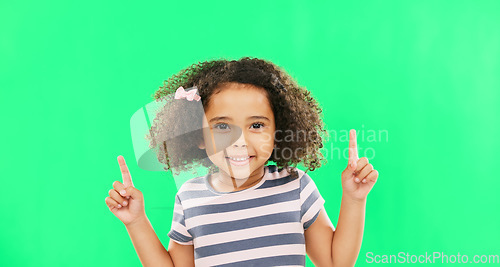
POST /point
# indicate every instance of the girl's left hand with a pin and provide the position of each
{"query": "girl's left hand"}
(359, 176)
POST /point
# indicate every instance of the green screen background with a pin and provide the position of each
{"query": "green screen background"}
(425, 73)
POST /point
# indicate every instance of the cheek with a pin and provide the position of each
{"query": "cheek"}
(265, 143)
(266, 148)
(268, 136)
(217, 157)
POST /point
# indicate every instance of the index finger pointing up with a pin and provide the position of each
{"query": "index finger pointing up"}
(127, 179)
(353, 146)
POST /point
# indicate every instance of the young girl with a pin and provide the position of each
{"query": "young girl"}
(245, 212)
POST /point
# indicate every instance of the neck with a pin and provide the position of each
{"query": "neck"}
(225, 182)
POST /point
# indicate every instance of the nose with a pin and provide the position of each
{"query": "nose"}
(240, 142)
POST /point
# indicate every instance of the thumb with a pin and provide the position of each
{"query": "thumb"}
(351, 167)
(133, 192)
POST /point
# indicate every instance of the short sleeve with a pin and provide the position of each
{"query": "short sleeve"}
(178, 231)
(311, 201)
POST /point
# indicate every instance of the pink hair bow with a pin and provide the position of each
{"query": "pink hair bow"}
(189, 95)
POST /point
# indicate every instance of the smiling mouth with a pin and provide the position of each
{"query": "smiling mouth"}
(240, 159)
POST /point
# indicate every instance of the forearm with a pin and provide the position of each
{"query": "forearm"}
(349, 233)
(150, 250)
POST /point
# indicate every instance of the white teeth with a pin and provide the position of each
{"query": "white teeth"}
(239, 159)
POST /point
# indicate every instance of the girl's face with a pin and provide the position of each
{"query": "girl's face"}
(238, 131)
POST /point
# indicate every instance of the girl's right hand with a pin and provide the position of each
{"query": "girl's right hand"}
(125, 201)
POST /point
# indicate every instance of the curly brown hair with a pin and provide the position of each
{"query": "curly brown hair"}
(294, 108)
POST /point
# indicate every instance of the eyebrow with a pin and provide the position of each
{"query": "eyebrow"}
(220, 118)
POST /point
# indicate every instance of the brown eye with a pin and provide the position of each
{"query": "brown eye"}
(260, 124)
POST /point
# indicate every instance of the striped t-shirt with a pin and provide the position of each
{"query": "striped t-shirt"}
(259, 226)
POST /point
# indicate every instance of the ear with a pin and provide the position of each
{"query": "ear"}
(201, 144)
